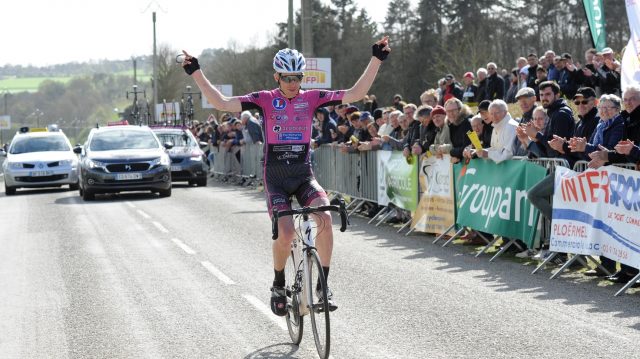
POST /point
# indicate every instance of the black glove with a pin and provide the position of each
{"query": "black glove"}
(378, 52)
(192, 67)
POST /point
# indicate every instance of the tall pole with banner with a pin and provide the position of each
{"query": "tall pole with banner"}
(595, 16)
(630, 71)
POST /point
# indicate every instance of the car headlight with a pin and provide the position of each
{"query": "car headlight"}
(162, 161)
(66, 163)
(196, 158)
(15, 165)
(97, 165)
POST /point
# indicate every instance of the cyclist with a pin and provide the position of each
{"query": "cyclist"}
(288, 124)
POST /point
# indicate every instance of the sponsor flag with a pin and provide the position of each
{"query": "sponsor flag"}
(630, 74)
(595, 16)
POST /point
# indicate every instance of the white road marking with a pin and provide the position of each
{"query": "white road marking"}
(216, 272)
(130, 204)
(184, 247)
(260, 306)
(143, 214)
(160, 227)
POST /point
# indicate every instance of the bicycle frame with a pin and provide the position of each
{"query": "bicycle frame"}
(300, 249)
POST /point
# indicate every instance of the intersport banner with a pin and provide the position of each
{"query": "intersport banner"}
(436, 209)
(397, 180)
(492, 197)
(595, 16)
(597, 212)
(630, 69)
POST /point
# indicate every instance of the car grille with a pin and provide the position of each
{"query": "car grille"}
(177, 160)
(128, 167)
(42, 178)
(28, 165)
(53, 164)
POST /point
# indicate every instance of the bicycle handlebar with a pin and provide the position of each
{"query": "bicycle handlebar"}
(341, 208)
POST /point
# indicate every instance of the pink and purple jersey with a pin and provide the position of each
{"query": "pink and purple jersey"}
(288, 123)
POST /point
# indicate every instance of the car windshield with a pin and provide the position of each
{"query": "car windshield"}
(39, 144)
(178, 139)
(122, 140)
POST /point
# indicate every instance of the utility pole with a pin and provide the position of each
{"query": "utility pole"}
(155, 67)
(135, 78)
(291, 29)
(307, 34)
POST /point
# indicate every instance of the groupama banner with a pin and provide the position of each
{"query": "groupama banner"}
(595, 16)
(597, 212)
(492, 197)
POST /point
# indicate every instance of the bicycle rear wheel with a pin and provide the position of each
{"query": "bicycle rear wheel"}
(295, 322)
(320, 306)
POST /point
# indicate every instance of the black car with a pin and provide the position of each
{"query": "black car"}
(123, 158)
(188, 161)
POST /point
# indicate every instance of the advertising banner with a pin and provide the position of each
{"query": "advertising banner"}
(399, 179)
(436, 209)
(492, 197)
(630, 67)
(597, 212)
(317, 75)
(5, 122)
(595, 16)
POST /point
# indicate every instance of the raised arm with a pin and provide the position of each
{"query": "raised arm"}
(356, 93)
(215, 97)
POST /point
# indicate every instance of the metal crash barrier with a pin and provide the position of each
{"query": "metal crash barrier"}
(225, 163)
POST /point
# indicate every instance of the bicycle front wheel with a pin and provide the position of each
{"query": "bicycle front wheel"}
(319, 306)
(295, 321)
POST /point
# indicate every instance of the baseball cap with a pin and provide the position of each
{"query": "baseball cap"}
(469, 75)
(586, 92)
(351, 109)
(525, 91)
(438, 110)
(365, 115)
(448, 77)
(606, 50)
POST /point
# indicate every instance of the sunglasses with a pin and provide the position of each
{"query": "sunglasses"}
(583, 102)
(291, 78)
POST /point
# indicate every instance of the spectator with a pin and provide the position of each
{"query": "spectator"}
(375, 143)
(427, 131)
(345, 130)
(429, 98)
(585, 101)
(442, 86)
(510, 96)
(442, 142)
(458, 115)
(470, 89)
(252, 130)
(478, 126)
(482, 84)
(452, 89)
(327, 127)
(370, 103)
(395, 136)
(552, 71)
(483, 111)
(527, 102)
(413, 130)
(586, 75)
(541, 76)
(385, 127)
(396, 102)
(503, 135)
(568, 76)
(532, 60)
(608, 72)
(495, 83)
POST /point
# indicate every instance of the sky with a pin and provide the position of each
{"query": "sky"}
(47, 32)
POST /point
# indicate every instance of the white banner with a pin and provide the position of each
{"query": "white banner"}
(317, 74)
(630, 74)
(436, 212)
(597, 212)
(226, 90)
(5, 122)
(168, 112)
(383, 157)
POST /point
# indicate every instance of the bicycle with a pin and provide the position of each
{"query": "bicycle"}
(300, 278)
(135, 107)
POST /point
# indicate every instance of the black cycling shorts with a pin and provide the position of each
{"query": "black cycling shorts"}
(281, 182)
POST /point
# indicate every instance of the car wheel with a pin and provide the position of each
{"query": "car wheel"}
(202, 182)
(87, 196)
(74, 186)
(8, 190)
(165, 193)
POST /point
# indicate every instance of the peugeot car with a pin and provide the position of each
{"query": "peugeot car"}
(188, 162)
(123, 158)
(40, 157)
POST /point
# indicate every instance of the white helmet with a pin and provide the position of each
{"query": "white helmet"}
(289, 61)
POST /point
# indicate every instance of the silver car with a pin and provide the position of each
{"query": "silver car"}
(39, 159)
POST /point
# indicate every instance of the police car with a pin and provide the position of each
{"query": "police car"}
(121, 157)
(188, 162)
(39, 157)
